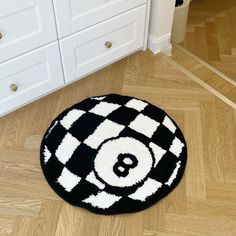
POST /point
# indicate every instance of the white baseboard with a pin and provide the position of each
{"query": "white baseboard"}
(161, 44)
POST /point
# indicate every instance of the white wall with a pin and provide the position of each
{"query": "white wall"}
(162, 12)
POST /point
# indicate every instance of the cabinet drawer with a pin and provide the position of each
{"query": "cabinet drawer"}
(89, 50)
(75, 15)
(29, 76)
(25, 25)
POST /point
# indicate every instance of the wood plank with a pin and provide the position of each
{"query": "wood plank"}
(158, 233)
(211, 208)
(196, 225)
(223, 35)
(200, 39)
(195, 176)
(213, 51)
(74, 221)
(154, 217)
(46, 223)
(24, 226)
(211, 143)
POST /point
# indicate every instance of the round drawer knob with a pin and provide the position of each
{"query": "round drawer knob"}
(108, 44)
(13, 87)
(0, 35)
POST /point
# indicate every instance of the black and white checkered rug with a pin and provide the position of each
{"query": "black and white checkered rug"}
(113, 154)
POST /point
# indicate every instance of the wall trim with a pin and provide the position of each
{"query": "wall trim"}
(161, 44)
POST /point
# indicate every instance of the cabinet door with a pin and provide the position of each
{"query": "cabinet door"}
(75, 15)
(29, 76)
(102, 44)
(25, 25)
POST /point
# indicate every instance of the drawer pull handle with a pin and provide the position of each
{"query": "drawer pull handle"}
(108, 44)
(13, 87)
(0, 35)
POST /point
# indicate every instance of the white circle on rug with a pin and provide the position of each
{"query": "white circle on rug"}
(113, 154)
(108, 156)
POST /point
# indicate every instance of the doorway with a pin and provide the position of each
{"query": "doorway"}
(211, 34)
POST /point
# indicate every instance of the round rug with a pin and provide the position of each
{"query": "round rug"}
(113, 154)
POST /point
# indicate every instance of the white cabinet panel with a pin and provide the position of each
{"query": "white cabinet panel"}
(25, 25)
(87, 51)
(31, 75)
(75, 15)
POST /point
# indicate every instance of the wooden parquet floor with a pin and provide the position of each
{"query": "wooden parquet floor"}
(211, 34)
(204, 204)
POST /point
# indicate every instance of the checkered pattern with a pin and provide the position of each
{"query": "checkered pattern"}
(75, 137)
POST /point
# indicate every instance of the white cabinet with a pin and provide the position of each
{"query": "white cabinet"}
(91, 49)
(25, 25)
(46, 44)
(75, 15)
(29, 76)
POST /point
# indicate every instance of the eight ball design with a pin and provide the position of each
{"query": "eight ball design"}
(113, 154)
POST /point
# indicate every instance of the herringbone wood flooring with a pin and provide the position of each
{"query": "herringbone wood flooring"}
(203, 204)
(211, 33)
